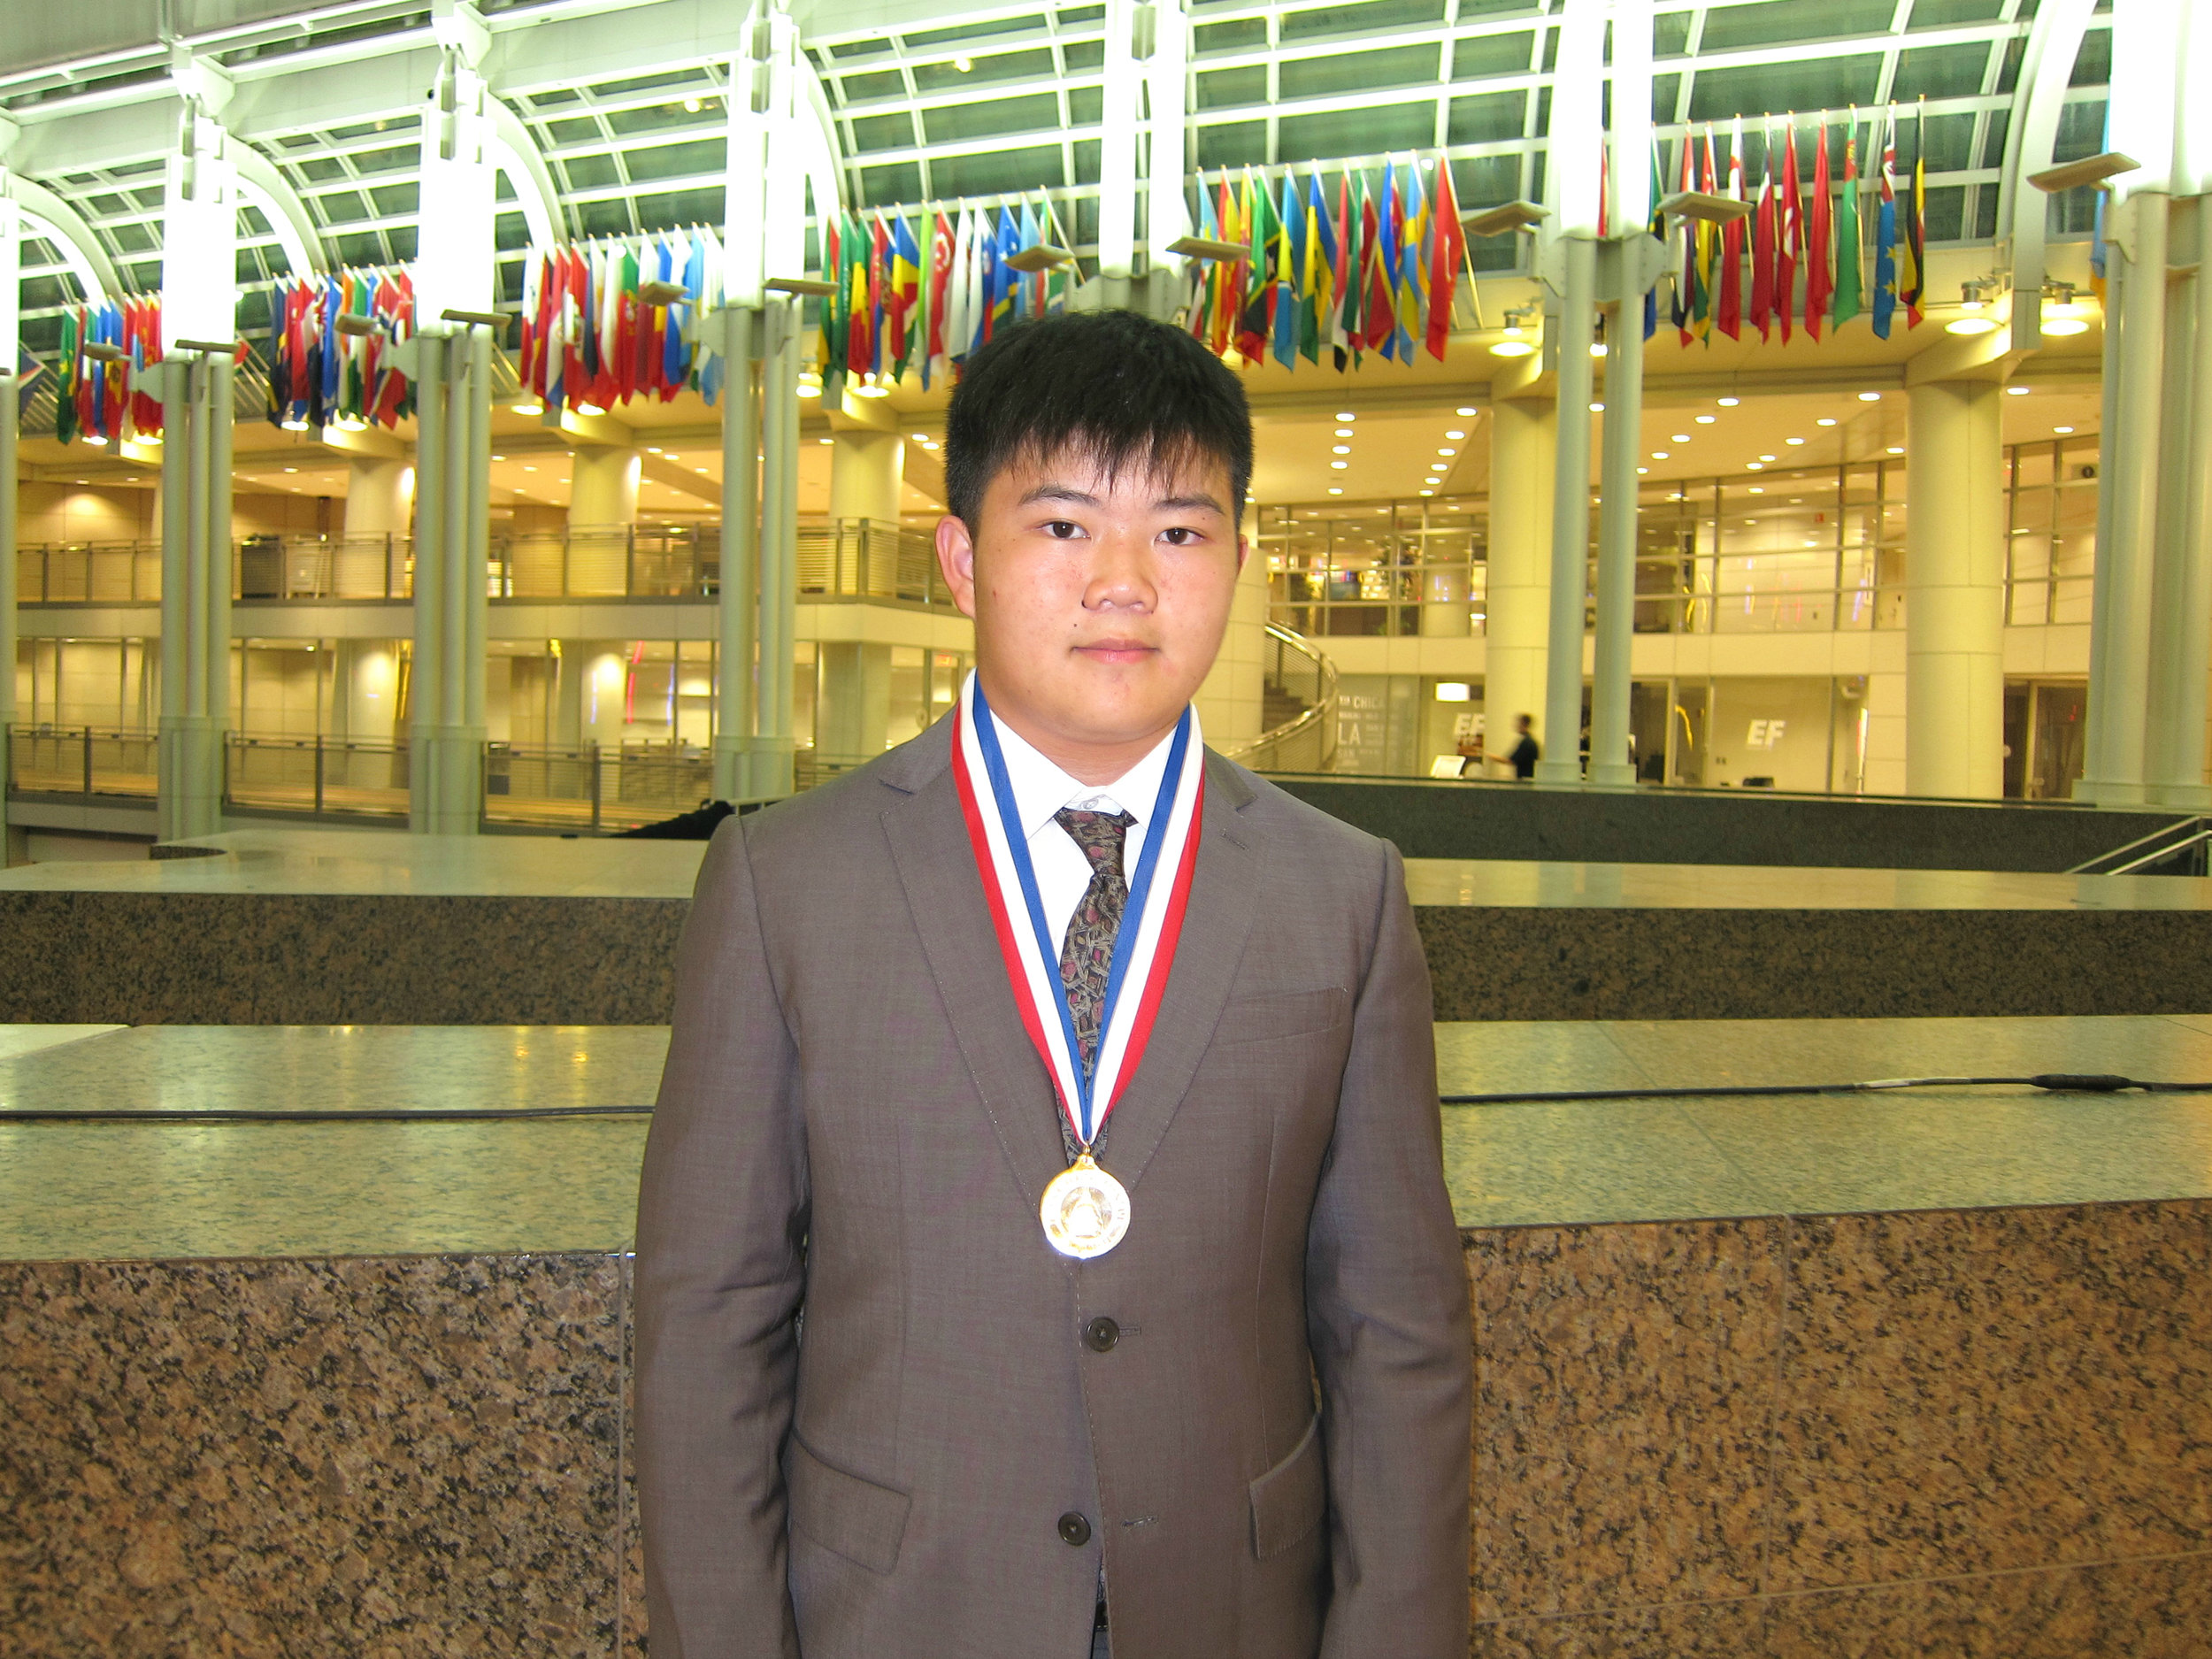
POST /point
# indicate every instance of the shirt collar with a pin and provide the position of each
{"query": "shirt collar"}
(1042, 789)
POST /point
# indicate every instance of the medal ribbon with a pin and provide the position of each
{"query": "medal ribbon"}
(1144, 946)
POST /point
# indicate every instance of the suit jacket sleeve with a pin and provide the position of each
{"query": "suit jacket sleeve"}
(1386, 1309)
(722, 1223)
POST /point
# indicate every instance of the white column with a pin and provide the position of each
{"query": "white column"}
(866, 471)
(602, 488)
(2119, 657)
(855, 715)
(452, 523)
(1117, 157)
(1444, 602)
(737, 614)
(380, 494)
(773, 756)
(10, 289)
(2184, 590)
(1518, 597)
(1955, 572)
(1232, 698)
(1166, 80)
(1572, 177)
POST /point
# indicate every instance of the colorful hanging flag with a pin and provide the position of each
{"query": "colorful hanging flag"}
(906, 289)
(935, 359)
(1344, 309)
(1729, 316)
(1287, 253)
(1886, 235)
(1685, 247)
(1656, 225)
(1763, 240)
(1912, 266)
(1702, 297)
(1447, 254)
(1790, 217)
(1413, 226)
(1850, 240)
(1820, 239)
(1317, 275)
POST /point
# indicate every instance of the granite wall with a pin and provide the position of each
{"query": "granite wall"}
(1975, 1434)
(338, 960)
(1737, 827)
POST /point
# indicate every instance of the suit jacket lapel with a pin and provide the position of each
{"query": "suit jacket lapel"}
(936, 867)
(1223, 898)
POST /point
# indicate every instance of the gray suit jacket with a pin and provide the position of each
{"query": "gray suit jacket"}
(1272, 1454)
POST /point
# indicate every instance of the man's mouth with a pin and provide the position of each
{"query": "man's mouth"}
(1116, 650)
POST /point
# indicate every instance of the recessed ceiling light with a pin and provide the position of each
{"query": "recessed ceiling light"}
(1753, 466)
(1870, 397)
(2015, 391)
(1706, 421)
(2061, 429)
(1340, 465)
(1335, 489)
(1729, 402)
(1597, 408)
(1454, 436)
(1680, 437)
(1825, 420)
(1343, 431)
(499, 457)
(824, 442)
(1347, 415)
(1897, 449)
(1462, 411)
(1792, 440)
(529, 469)
(1766, 457)
(1642, 471)
(1447, 452)
(1659, 455)
(1755, 490)
(1427, 492)
(1339, 449)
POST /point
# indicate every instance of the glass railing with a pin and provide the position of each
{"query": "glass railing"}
(317, 777)
(82, 762)
(863, 559)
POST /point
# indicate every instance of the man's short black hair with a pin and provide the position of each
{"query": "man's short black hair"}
(1114, 385)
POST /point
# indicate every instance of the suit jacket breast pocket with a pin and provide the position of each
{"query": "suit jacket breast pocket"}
(1289, 1500)
(1288, 1014)
(857, 1518)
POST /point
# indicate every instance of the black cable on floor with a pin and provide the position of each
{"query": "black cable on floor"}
(2057, 1082)
(313, 1115)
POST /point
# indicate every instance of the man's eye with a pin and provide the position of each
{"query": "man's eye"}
(1062, 529)
(1181, 535)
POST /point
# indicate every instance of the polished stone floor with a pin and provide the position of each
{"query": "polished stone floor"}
(324, 861)
(125, 1190)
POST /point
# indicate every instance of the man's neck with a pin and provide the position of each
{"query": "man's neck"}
(1097, 764)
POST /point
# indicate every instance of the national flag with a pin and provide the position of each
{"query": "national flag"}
(1447, 254)
(935, 360)
(1030, 296)
(1285, 251)
(1344, 286)
(1912, 264)
(1228, 291)
(1205, 274)
(1657, 227)
(1763, 241)
(1732, 244)
(1317, 309)
(1002, 295)
(959, 313)
(1255, 312)
(1886, 235)
(1850, 240)
(878, 292)
(1819, 240)
(906, 287)
(1685, 249)
(1703, 296)
(1790, 221)
(1413, 226)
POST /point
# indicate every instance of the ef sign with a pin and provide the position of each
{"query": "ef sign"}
(1767, 734)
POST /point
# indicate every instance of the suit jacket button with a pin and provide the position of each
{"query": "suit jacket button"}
(1074, 1529)
(1101, 1334)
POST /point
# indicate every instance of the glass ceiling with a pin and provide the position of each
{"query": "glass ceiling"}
(1009, 100)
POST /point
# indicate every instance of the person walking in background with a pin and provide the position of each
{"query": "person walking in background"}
(1525, 751)
(1080, 1086)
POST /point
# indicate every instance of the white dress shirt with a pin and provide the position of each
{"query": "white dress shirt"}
(1041, 789)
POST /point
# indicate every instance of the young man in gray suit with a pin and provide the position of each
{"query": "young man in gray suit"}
(1043, 1244)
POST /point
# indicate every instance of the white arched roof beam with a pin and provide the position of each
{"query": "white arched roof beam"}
(819, 141)
(516, 152)
(46, 214)
(2023, 211)
(260, 183)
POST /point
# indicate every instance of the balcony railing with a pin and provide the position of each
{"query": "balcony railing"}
(83, 763)
(1298, 691)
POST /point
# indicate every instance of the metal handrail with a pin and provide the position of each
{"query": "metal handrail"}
(1322, 708)
(2194, 828)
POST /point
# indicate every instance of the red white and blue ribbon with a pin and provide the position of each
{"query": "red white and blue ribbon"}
(1152, 922)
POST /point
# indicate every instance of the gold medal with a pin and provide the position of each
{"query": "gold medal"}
(1085, 1211)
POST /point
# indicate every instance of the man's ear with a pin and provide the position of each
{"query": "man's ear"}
(955, 557)
(1244, 551)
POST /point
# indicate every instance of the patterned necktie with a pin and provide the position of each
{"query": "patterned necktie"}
(1086, 954)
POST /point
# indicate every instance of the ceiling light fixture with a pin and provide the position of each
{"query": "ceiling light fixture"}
(1339, 449)
(1730, 402)
(1870, 397)
(1825, 420)
(1706, 421)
